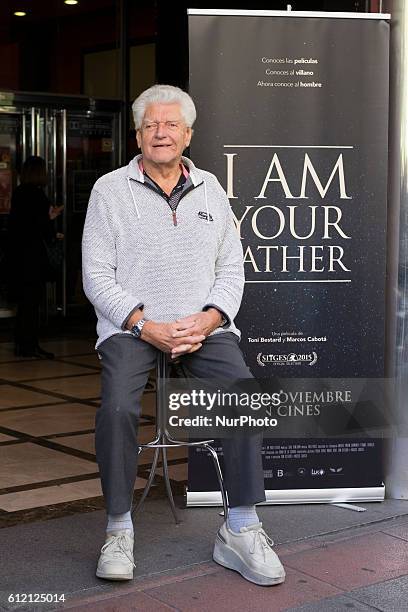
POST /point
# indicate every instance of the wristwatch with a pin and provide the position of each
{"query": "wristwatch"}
(136, 330)
(224, 321)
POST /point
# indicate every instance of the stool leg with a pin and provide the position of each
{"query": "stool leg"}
(220, 479)
(148, 483)
(168, 485)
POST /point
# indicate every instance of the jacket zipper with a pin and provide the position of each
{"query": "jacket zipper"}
(174, 213)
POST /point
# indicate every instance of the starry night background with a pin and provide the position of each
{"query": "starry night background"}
(351, 109)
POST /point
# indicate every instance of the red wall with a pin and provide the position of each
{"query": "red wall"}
(9, 54)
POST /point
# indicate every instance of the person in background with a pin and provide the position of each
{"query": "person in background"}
(31, 229)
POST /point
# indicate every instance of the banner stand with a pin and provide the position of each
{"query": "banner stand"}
(296, 496)
(293, 121)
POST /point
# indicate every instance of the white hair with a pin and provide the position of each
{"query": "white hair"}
(164, 94)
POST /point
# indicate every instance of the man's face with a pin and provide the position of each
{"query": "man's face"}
(163, 135)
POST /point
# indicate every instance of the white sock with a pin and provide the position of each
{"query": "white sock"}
(242, 516)
(117, 522)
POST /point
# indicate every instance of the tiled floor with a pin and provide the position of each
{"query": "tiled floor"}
(13, 397)
(47, 416)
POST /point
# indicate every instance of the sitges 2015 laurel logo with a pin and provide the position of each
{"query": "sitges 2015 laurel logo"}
(287, 359)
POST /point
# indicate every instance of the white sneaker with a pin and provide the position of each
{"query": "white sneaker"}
(249, 553)
(116, 559)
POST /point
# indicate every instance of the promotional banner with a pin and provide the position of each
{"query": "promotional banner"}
(293, 121)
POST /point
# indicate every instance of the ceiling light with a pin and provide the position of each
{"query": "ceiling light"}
(20, 13)
(71, 1)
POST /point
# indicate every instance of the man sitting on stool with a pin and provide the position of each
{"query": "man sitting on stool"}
(163, 267)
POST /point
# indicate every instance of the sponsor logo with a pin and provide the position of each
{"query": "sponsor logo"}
(278, 473)
(301, 471)
(337, 470)
(318, 472)
(287, 359)
(203, 215)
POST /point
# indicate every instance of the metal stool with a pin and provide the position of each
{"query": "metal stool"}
(163, 441)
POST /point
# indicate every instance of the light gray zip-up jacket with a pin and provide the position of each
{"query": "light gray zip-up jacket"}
(134, 256)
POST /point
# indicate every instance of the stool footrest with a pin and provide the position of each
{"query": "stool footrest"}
(174, 443)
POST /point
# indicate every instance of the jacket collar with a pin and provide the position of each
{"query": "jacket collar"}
(134, 172)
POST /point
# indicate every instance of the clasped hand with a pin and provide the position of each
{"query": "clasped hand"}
(183, 336)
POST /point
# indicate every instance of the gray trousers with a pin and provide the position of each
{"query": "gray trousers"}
(126, 363)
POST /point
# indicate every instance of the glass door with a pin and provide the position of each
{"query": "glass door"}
(83, 145)
(78, 146)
